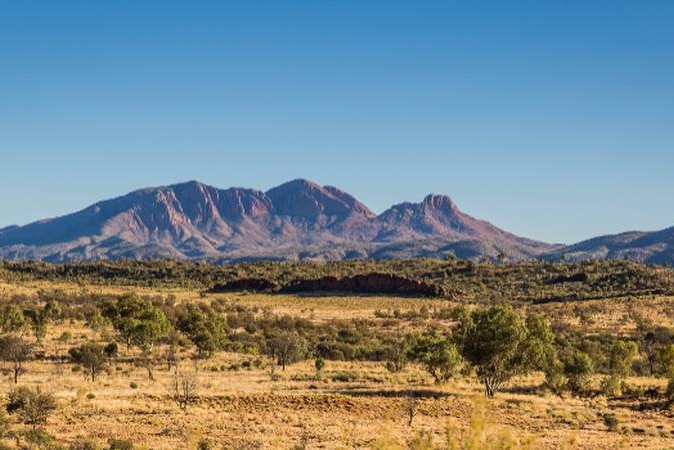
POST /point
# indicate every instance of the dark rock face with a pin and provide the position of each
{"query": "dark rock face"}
(297, 220)
(373, 283)
(245, 284)
(575, 278)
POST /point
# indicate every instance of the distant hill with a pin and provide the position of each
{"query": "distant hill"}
(297, 220)
(650, 247)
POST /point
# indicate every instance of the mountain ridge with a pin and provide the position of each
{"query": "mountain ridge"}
(298, 219)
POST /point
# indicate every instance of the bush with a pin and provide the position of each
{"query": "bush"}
(578, 369)
(119, 444)
(344, 377)
(111, 349)
(84, 445)
(611, 386)
(670, 390)
(611, 421)
(33, 407)
(319, 364)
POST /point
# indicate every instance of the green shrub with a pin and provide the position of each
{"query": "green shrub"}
(319, 364)
(611, 421)
(611, 386)
(33, 407)
(84, 445)
(119, 444)
(344, 377)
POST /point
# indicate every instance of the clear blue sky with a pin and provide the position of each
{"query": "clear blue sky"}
(552, 119)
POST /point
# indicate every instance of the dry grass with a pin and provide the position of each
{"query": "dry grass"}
(245, 409)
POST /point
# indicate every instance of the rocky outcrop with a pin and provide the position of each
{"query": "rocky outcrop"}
(245, 284)
(373, 283)
(575, 278)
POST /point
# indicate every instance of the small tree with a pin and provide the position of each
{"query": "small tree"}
(16, 351)
(437, 353)
(204, 327)
(319, 364)
(621, 358)
(33, 407)
(664, 357)
(12, 319)
(184, 390)
(39, 318)
(578, 369)
(398, 354)
(91, 356)
(138, 321)
(501, 345)
(288, 348)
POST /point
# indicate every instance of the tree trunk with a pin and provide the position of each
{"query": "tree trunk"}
(489, 388)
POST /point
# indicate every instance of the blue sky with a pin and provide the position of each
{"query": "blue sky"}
(552, 119)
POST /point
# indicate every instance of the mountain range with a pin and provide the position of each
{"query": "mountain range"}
(296, 220)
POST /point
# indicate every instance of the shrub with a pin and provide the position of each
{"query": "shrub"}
(119, 444)
(319, 364)
(84, 445)
(578, 369)
(669, 393)
(111, 349)
(611, 386)
(611, 421)
(33, 407)
(344, 377)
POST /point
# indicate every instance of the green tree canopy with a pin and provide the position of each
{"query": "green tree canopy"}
(437, 353)
(501, 345)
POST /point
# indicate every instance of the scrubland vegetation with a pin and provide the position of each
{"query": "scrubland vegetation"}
(530, 355)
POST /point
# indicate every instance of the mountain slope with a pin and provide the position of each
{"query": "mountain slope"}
(297, 220)
(655, 247)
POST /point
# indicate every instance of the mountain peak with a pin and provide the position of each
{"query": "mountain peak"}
(440, 202)
(305, 198)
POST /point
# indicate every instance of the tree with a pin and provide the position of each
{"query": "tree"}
(398, 354)
(578, 369)
(621, 358)
(287, 348)
(12, 319)
(204, 327)
(140, 323)
(33, 407)
(91, 356)
(38, 319)
(437, 353)
(653, 343)
(17, 351)
(501, 345)
(664, 358)
(184, 390)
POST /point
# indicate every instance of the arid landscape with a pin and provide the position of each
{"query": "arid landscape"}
(352, 379)
(338, 225)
